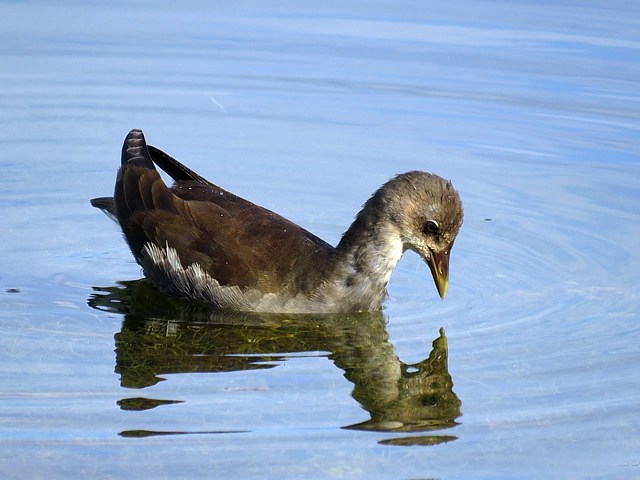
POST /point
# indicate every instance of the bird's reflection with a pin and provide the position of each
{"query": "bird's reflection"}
(162, 335)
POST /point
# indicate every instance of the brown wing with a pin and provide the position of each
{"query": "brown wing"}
(235, 241)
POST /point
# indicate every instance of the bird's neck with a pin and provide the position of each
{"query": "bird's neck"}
(369, 251)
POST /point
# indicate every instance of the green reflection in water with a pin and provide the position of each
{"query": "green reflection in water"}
(141, 403)
(149, 433)
(162, 335)
(424, 440)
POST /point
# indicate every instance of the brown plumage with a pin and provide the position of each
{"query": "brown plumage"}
(202, 243)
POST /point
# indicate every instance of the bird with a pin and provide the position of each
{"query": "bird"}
(203, 244)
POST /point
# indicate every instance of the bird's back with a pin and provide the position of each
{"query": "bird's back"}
(232, 241)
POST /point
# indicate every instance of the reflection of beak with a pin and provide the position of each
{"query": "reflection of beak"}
(439, 265)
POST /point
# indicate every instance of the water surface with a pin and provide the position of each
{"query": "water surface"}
(528, 369)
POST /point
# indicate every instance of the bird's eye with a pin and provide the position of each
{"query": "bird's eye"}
(431, 228)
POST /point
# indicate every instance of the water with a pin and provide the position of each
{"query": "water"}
(532, 109)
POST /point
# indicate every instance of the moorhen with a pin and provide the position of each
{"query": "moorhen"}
(207, 245)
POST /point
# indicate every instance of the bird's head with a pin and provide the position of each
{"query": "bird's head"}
(427, 213)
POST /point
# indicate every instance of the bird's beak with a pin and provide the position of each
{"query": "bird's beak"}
(439, 265)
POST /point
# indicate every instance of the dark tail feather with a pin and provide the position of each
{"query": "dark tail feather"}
(174, 168)
(107, 206)
(136, 177)
(140, 195)
(134, 153)
(134, 150)
(104, 203)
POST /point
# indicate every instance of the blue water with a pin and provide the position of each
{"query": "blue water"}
(531, 108)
